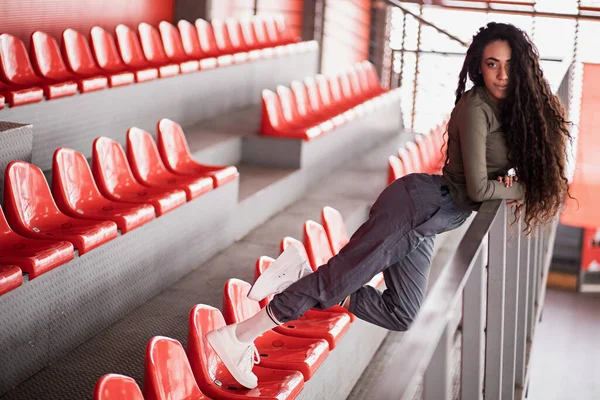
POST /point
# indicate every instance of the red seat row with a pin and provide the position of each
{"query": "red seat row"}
(289, 354)
(54, 71)
(87, 207)
(319, 104)
(425, 155)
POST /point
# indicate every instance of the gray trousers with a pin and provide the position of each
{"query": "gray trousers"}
(397, 239)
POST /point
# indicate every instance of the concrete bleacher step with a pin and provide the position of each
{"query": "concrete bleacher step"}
(120, 347)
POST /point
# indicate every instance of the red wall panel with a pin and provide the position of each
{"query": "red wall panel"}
(291, 9)
(346, 34)
(22, 17)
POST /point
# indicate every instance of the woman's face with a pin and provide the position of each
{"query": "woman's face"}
(494, 68)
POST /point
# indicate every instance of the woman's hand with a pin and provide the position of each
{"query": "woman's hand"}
(508, 179)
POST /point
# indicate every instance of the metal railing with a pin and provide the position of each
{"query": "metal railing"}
(496, 279)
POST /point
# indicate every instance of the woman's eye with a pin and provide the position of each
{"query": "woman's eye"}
(491, 65)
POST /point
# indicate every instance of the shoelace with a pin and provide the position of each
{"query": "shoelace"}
(253, 358)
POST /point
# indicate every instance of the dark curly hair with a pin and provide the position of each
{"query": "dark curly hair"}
(533, 120)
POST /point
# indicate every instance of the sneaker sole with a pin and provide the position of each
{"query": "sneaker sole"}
(220, 348)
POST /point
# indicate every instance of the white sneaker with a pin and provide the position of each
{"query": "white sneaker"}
(238, 357)
(287, 269)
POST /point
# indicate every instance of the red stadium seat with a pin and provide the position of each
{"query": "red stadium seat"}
(77, 195)
(173, 46)
(273, 122)
(407, 162)
(250, 38)
(208, 43)
(79, 60)
(117, 387)
(335, 227)
(369, 73)
(31, 255)
(17, 96)
(32, 212)
(237, 39)
(214, 379)
(297, 354)
(329, 104)
(49, 64)
(260, 32)
(224, 43)
(284, 33)
(415, 156)
(116, 182)
(10, 278)
(318, 324)
(176, 156)
(292, 115)
(395, 169)
(132, 54)
(154, 51)
(339, 103)
(149, 170)
(317, 244)
(192, 47)
(107, 56)
(167, 372)
(18, 73)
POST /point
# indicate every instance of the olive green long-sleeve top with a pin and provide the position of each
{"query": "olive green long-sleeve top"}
(477, 152)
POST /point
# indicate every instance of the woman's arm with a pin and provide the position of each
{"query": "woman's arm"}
(473, 130)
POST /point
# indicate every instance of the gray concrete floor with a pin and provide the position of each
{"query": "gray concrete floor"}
(565, 360)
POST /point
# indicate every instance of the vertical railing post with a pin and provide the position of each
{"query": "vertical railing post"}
(473, 326)
(524, 299)
(438, 377)
(512, 302)
(532, 300)
(495, 306)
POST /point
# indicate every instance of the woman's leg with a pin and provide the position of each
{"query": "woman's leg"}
(406, 281)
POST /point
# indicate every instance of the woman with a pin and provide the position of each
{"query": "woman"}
(510, 118)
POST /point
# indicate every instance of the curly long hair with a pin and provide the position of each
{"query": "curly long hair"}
(533, 120)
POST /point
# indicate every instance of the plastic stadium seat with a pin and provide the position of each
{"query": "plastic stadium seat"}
(77, 195)
(406, 159)
(208, 43)
(191, 45)
(117, 387)
(167, 372)
(237, 39)
(283, 32)
(116, 182)
(214, 379)
(395, 169)
(17, 72)
(173, 47)
(31, 255)
(154, 51)
(338, 102)
(278, 351)
(292, 116)
(426, 153)
(18, 96)
(308, 101)
(415, 157)
(250, 37)
(10, 278)
(273, 122)
(32, 212)
(79, 60)
(107, 56)
(369, 73)
(314, 324)
(324, 92)
(176, 156)
(48, 62)
(149, 170)
(350, 100)
(223, 41)
(132, 54)
(335, 227)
